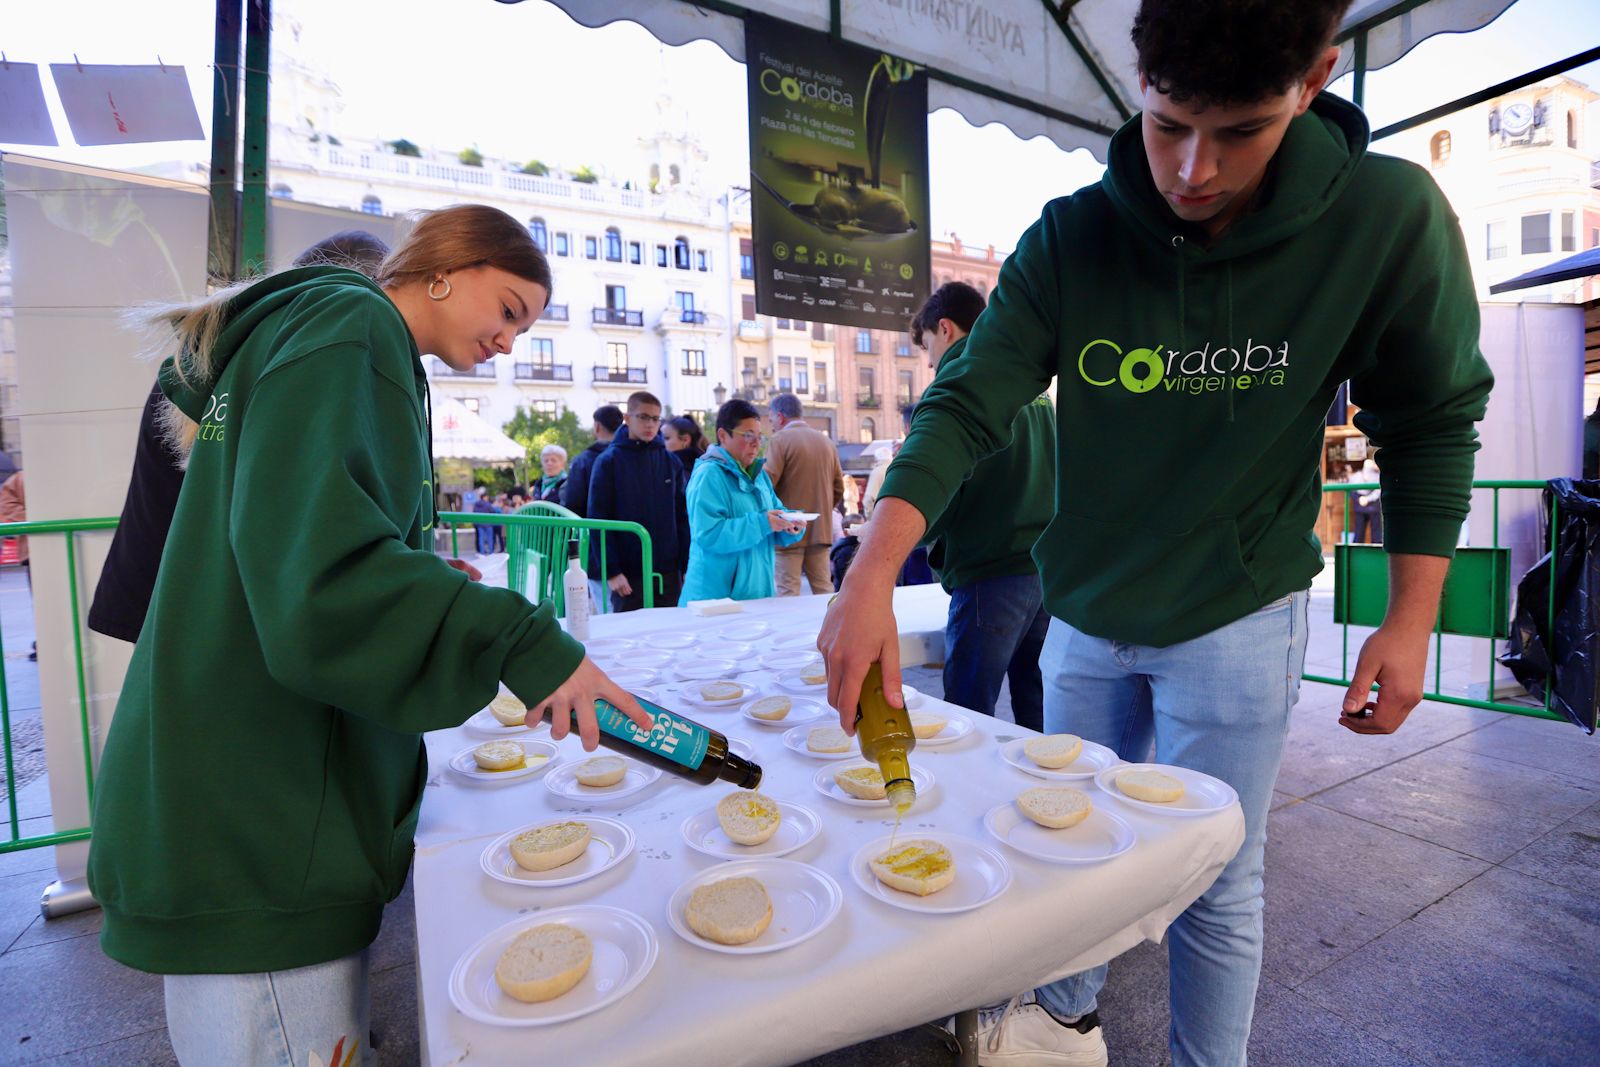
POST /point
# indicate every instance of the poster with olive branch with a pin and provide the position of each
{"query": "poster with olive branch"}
(838, 178)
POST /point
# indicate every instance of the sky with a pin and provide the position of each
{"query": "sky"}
(525, 81)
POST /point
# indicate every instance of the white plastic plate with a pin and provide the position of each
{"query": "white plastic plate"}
(798, 827)
(955, 728)
(564, 783)
(699, 668)
(920, 777)
(1091, 761)
(625, 948)
(539, 756)
(610, 843)
(632, 677)
(807, 712)
(804, 901)
(668, 639)
(1202, 794)
(790, 660)
(689, 692)
(982, 874)
(484, 724)
(744, 630)
(606, 646)
(790, 680)
(648, 658)
(803, 640)
(795, 741)
(1101, 836)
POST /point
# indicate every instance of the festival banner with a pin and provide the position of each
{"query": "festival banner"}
(839, 178)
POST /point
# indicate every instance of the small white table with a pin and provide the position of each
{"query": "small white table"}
(874, 970)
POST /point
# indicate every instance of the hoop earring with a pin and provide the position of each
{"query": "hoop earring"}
(438, 296)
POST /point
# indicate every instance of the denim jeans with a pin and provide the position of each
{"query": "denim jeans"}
(1219, 704)
(271, 1019)
(996, 630)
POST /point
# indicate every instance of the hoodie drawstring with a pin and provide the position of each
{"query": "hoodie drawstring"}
(1183, 325)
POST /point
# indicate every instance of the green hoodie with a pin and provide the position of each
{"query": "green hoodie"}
(259, 789)
(989, 528)
(1194, 377)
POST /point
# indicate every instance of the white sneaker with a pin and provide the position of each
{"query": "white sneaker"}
(1026, 1035)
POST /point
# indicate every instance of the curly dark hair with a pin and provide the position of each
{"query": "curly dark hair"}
(1231, 52)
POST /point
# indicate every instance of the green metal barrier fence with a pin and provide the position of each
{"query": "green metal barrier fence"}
(458, 519)
(68, 528)
(1476, 603)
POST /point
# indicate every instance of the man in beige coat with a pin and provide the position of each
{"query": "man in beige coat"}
(804, 467)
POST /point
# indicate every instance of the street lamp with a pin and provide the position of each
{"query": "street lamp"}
(720, 393)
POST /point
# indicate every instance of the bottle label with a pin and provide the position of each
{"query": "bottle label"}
(680, 740)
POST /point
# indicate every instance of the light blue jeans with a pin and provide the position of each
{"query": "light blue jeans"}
(271, 1019)
(1219, 704)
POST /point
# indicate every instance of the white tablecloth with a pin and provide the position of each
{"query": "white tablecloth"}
(874, 970)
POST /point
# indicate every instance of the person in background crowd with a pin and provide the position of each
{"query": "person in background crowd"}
(1591, 444)
(575, 494)
(298, 591)
(1366, 513)
(553, 461)
(128, 578)
(804, 467)
(14, 508)
(736, 519)
(477, 501)
(685, 440)
(982, 545)
(1198, 308)
(637, 480)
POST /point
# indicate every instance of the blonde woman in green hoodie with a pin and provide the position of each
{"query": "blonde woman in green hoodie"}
(260, 784)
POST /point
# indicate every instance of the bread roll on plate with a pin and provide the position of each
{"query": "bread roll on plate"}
(748, 818)
(1057, 808)
(864, 783)
(508, 710)
(732, 911)
(770, 708)
(601, 771)
(544, 962)
(500, 756)
(919, 866)
(1150, 786)
(927, 725)
(550, 846)
(1054, 750)
(723, 690)
(828, 739)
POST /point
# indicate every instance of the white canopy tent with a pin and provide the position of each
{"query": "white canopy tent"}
(1063, 69)
(460, 433)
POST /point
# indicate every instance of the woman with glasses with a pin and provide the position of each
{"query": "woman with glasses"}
(736, 521)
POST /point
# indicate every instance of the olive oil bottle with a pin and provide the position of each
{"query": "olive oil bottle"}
(676, 744)
(884, 733)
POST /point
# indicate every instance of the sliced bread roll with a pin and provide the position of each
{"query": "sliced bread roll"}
(508, 710)
(1151, 786)
(732, 911)
(1056, 808)
(828, 739)
(814, 674)
(723, 690)
(924, 725)
(1054, 750)
(500, 756)
(550, 846)
(771, 708)
(864, 783)
(919, 866)
(601, 771)
(748, 818)
(544, 962)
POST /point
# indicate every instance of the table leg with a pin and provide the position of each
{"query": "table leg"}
(967, 1037)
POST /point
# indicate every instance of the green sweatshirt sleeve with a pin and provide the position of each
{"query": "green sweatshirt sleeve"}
(348, 613)
(1427, 386)
(968, 410)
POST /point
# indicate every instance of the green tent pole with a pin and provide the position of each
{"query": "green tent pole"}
(223, 229)
(257, 62)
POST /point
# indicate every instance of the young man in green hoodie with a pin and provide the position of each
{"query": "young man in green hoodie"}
(982, 545)
(1199, 306)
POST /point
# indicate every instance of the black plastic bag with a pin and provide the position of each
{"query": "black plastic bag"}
(1573, 648)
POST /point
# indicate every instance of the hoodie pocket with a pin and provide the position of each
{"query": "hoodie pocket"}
(1130, 582)
(402, 841)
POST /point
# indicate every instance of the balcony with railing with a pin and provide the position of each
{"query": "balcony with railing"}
(621, 376)
(820, 395)
(674, 318)
(554, 313)
(545, 372)
(821, 333)
(868, 400)
(441, 369)
(618, 317)
(866, 346)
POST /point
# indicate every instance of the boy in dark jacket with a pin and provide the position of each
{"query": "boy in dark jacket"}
(575, 493)
(637, 480)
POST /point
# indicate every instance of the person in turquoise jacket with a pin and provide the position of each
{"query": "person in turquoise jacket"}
(736, 520)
